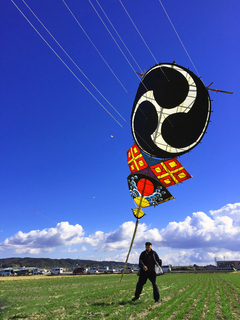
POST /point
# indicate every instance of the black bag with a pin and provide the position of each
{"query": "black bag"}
(158, 269)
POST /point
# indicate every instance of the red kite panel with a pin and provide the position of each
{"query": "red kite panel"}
(136, 162)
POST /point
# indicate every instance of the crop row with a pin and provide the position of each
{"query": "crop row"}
(184, 296)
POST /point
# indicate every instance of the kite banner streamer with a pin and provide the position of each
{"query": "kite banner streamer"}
(170, 116)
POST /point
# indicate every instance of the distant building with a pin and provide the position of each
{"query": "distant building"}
(211, 267)
(228, 265)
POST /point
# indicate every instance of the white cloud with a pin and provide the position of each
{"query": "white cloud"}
(70, 250)
(118, 239)
(201, 231)
(133, 257)
(95, 238)
(45, 240)
(197, 256)
(188, 257)
(230, 210)
(198, 238)
(83, 249)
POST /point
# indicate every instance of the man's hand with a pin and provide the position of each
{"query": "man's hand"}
(145, 268)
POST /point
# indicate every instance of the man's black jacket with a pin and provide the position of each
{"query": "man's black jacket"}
(143, 258)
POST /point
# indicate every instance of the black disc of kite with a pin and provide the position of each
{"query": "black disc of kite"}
(171, 111)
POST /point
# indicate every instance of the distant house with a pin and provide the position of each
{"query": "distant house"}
(211, 267)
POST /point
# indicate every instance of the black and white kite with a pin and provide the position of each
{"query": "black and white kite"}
(171, 111)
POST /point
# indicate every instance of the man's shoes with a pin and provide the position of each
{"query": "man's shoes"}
(135, 299)
(158, 301)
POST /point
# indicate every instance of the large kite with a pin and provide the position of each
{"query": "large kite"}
(170, 115)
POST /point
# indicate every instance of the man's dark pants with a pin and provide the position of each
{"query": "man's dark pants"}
(144, 275)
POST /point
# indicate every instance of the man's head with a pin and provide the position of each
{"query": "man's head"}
(148, 246)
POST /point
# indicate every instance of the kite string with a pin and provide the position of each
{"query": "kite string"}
(45, 216)
(67, 66)
(178, 37)
(133, 237)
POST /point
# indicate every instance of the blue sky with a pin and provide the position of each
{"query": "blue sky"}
(63, 189)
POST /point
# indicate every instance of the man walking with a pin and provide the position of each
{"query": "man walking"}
(147, 261)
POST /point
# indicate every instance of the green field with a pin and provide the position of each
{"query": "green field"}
(184, 296)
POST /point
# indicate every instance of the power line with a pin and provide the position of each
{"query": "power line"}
(93, 45)
(119, 36)
(66, 65)
(178, 37)
(142, 37)
(112, 35)
(138, 32)
(72, 59)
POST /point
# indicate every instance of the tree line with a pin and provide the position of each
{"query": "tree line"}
(47, 263)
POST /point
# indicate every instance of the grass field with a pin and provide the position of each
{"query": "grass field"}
(184, 296)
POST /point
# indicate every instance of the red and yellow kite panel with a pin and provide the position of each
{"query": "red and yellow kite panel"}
(169, 172)
(136, 162)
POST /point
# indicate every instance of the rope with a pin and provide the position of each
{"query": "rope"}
(133, 237)
(67, 66)
(134, 234)
(178, 37)
(94, 45)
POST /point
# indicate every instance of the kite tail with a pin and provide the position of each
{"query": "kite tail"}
(133, 237)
